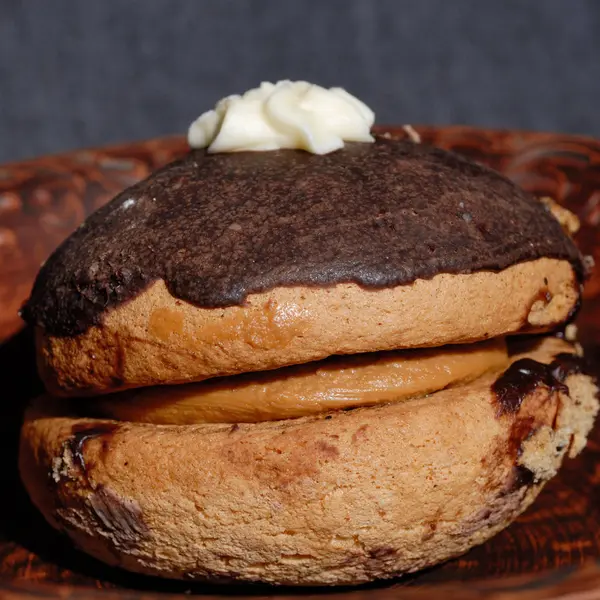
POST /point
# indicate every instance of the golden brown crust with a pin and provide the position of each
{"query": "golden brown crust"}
(337, 499)
(157, 339)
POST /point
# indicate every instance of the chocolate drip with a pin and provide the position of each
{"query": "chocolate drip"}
(82, 434)
(525, 375)
(218, 227)
(566, 364)
(520, 477)
(511, 388)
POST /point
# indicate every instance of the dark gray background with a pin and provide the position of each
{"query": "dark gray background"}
(86, 72)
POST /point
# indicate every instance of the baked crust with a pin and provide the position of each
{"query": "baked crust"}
(157, 339)
(342, 498)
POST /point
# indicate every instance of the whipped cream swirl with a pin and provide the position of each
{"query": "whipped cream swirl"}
(286, 114)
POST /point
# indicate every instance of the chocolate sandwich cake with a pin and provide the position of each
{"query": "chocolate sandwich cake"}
(304, 354)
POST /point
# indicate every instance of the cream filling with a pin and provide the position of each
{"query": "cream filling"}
(287, 114)
(336, 383)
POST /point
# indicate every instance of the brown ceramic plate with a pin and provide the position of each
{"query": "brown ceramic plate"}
(552, 550)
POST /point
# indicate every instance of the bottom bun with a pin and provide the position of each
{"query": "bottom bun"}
(342, 498)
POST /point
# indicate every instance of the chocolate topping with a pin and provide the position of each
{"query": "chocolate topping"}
(81, 434)
(565, 364)
(525, 375)
(520, 477)
(219, 227)
(511, 388)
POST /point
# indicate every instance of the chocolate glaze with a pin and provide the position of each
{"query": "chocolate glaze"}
(119, 517)
(520, 477)
(519, 380)
(566, 364)
(521, 430)
(81, 434)
(525, 375)
(511, 388)
(219, 227)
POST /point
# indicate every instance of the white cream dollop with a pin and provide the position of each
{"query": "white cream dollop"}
(286, 114)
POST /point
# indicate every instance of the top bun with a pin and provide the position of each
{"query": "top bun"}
(399, 231)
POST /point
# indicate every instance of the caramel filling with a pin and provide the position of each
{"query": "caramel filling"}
(333, 384)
